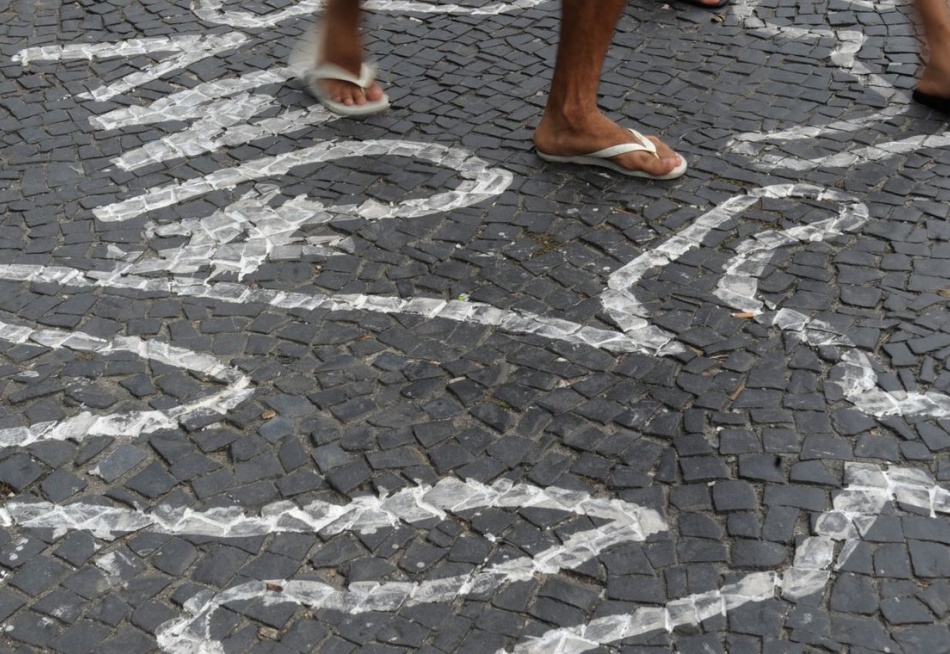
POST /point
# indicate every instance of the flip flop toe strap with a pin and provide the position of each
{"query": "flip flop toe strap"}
(644, 145)
(332, 71)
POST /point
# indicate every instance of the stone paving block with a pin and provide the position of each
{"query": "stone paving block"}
(854, 594)
(33, 630)
(152, 481)
(19, 471)
(60, 485)
(110, 611)
(82, 638)
(38, 575)
(120, 461)
(733, 495)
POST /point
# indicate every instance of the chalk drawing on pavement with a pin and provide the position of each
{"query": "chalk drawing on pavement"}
(131, 424)
(868, 490)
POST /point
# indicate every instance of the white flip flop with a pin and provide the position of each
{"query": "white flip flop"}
(302, 58)
(603, 158)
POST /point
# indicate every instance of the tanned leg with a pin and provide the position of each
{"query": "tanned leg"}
(935, 17)
(572, 123)
(342, 45)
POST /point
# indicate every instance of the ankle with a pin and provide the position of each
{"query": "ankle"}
(569, 117)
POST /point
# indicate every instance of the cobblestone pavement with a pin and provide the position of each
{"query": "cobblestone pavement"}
(274, 381)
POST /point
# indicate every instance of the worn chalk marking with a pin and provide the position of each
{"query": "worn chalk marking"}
(868, 488)
(738, 286)
(627, 523)
(189, 103)
(623, 522)
(480, 181)
(691, 610)
(134, 423)
(738, 289)
(849, 159)
(242, 237)
(620, 301)
(364, 514)
(247, 233)
(515, 322)
(213, 10)
(844, 55)
(222, 111)
(765, 148)
(191, 49)
(91, 51)
(855, 375)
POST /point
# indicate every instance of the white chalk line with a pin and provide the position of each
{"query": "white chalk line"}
(868, 154)
(189, 103)
(473, 312)
(480, 181)
(241, 237)
(213, 10)
(93, 51)
(131, 424)
(191, 48)
(855, 376)
(763, 148)
(364, 514)
(224, 110)
(738, 288)
(624, 522)
(868, 488)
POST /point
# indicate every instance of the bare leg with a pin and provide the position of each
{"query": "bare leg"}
(572, 123)
(342, 45)
(710, 4)
(935, 17)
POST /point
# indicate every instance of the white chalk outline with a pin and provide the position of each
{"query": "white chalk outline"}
(868, 489)
(481, 182)
(622, 522)
(131, 424)
(619, 297)
(190, 48)
(762, 147)
(213, 11)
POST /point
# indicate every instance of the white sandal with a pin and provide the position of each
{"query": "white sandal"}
(603, 158)
(302, 58)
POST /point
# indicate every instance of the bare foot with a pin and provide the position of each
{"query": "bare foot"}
(596, 132)
(346, 52)
(935, 81)
(348, 93)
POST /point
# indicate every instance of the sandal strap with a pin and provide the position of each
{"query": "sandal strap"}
(332, 71)
(644, 145)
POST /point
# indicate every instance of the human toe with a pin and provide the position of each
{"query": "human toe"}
(664, 162)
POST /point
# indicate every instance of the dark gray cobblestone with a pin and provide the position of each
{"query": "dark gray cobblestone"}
(226, 447)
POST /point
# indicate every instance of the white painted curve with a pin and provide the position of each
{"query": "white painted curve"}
(132, 424)
(214, 11)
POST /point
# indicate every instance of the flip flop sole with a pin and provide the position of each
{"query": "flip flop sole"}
(302, 58)
(367, 109)
(935, 102)
(586, 160)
